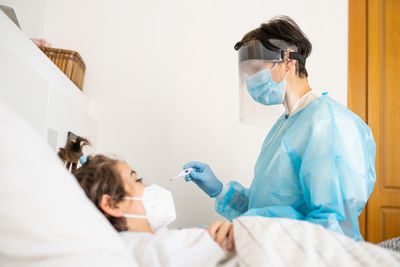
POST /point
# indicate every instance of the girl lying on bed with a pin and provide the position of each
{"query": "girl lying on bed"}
(140, 212)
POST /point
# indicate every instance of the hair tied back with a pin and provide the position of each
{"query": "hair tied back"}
(83, 159)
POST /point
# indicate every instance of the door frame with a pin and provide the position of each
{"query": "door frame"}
(358, 72)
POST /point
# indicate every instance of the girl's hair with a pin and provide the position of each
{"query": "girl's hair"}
(97, 176)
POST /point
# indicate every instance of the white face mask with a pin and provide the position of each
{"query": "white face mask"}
(158, 205)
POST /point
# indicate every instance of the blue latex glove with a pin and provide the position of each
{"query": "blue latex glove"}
(203, 176)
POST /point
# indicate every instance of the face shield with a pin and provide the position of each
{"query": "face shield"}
(254, 59)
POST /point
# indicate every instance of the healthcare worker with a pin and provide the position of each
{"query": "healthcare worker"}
(317, 163)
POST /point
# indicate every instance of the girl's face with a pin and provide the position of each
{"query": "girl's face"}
(134, 188)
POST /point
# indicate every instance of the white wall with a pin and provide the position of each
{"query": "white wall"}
(31, 15)
(162, 79)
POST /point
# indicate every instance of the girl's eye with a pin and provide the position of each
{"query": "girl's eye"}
(139, 180)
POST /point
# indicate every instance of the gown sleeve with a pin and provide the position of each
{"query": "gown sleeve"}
(233, 201)
(336, 174)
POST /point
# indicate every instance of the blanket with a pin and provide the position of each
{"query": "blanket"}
(259, 241)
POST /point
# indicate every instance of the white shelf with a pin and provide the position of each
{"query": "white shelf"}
(38, 90)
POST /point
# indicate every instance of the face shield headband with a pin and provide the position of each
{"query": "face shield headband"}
(254, 50)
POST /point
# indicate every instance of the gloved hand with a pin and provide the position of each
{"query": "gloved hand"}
(203, 176)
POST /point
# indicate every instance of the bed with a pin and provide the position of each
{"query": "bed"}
(48, 221)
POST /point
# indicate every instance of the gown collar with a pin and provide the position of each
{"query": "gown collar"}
(306, 99)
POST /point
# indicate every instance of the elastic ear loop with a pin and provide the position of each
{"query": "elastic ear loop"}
(133, 215)
(284, 77)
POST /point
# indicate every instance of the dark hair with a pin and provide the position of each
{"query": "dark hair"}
(72, 151)
(281, 28)
(97, 176)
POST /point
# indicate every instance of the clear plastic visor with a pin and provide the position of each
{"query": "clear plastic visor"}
(253, 58)
(252, 112)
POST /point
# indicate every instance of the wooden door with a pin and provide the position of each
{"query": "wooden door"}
(374, 94)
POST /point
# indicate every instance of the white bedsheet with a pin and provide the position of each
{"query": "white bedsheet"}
(259, 242)
(174, 248)
(285, 242)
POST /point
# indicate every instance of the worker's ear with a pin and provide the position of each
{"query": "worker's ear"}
(291, 65)
(108, 206)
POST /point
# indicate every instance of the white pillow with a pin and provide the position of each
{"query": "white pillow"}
(46, 218)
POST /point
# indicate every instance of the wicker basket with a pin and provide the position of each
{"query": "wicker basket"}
(69, 62)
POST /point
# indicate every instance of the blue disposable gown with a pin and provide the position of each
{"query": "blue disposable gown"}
(317, 165)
